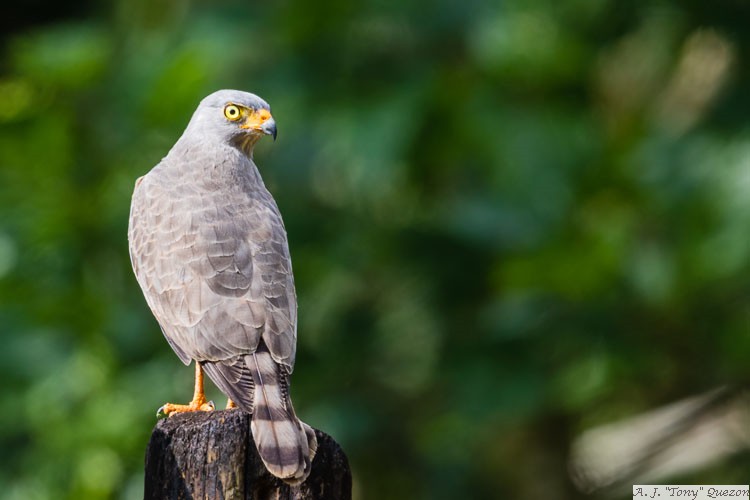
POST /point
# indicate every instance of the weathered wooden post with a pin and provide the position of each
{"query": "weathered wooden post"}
(211, 455)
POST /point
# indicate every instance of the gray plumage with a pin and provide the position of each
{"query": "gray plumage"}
(209, 250)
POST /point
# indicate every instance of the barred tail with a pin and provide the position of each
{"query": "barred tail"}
(285, 444)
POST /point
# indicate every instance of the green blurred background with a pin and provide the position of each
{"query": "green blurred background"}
(511, 222)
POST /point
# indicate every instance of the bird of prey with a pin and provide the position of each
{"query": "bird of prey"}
(210, 252)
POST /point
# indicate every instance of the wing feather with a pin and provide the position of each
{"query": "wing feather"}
(234, 379)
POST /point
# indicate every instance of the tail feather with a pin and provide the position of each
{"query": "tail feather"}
(285, 444)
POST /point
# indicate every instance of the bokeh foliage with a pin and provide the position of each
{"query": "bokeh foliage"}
(510, 221)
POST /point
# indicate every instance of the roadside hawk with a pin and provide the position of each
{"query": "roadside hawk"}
(210, 253)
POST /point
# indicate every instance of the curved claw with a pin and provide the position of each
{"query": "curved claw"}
(160, 413)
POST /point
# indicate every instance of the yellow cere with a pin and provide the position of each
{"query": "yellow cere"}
(256, 118)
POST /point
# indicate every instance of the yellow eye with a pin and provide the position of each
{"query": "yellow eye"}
(232, 112)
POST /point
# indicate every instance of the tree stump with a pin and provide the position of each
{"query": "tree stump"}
(212, 455)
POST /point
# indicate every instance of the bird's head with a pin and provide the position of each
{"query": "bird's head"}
(232, 116)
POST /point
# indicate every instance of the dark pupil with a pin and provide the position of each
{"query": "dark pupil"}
(232, 111)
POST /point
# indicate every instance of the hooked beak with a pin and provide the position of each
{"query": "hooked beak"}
(269, 128)
(262, 121)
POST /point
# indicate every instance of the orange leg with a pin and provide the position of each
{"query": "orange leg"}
(198, 403)
(231, 404)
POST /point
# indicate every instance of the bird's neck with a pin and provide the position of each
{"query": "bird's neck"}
(221, 164)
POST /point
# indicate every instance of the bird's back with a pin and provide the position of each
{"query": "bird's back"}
(210, 252)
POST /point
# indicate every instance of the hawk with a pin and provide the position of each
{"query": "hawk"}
(210, 252)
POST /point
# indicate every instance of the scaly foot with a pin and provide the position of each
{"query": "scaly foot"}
(169, 408)
(198, 403)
